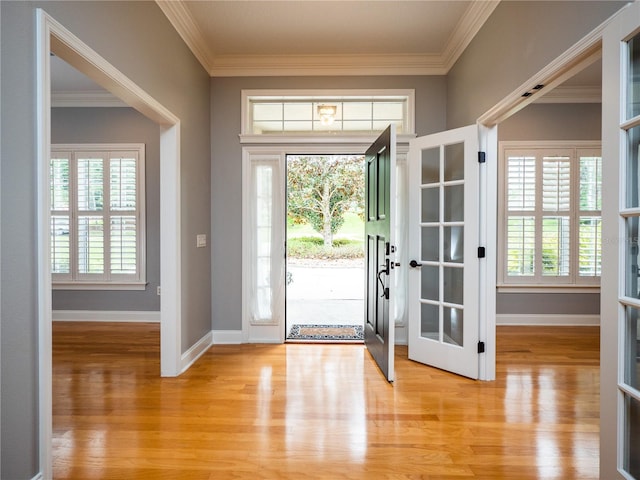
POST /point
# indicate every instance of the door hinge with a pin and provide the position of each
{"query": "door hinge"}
(480, 347)
(482, 157)
(482, 252)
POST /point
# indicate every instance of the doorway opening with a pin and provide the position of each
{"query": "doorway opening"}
(325, 271)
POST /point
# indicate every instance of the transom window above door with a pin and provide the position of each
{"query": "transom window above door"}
(280, 112)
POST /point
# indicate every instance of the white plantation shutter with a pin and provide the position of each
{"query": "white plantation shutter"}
(124, 243)
(551, 204)
(521, 178)
(556, 240)
(123, 184)
(590, 216)
(97, 215)
(521, 227)
(556, 184)
(60, 214)
(521, 246)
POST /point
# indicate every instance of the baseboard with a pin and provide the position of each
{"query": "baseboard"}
(401, 335)
(547, 320)
(105, 316)
(39, 476)
(227, 337)
(197, 349)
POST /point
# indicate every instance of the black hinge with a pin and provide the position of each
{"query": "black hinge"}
(482, 157)
(482, 252)
(480, 347)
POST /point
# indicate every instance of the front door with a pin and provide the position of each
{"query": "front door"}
(380, 166)
(444, 209)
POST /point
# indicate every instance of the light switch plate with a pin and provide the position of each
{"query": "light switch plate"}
(201, 240)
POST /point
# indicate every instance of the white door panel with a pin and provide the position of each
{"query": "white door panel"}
(444, 207)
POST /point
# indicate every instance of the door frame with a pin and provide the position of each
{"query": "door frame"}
(348, 145)
(613, 299)
(52, 36)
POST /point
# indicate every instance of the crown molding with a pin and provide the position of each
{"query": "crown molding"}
(467, 28)
(326, 65)
(187, 28)
(86, 99)
(572, 95)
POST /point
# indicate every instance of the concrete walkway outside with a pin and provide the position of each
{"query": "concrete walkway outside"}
(322, 293)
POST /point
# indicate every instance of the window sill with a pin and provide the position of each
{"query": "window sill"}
(510, 288)
(98, 285)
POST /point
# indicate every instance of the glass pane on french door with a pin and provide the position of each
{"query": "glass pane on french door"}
(630, 325)
(442, 241)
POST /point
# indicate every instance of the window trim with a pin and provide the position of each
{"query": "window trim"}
(118, 281)
(511, 284)
(247, 96)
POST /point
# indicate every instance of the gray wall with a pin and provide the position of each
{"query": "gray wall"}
(517, 41)
(551, 122)
(226, 179)
(138, 39)
(116, 125)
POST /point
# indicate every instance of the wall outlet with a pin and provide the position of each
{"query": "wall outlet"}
(158, 290)
(201, 240)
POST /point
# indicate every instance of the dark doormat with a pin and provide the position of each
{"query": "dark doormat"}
(326, 333)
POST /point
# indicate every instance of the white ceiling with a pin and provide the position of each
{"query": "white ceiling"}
(327, 37)
(317, 37)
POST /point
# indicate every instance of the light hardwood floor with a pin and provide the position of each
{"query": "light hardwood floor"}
(321, 411)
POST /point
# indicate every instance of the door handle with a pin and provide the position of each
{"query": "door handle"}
(384, 269)
(414, 264)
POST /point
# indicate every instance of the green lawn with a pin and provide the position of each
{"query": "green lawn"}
(304, 242)
(352, 229)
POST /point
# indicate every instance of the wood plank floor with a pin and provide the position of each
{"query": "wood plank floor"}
(321, 411)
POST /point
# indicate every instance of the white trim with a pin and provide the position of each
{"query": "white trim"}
(85, 99)
(227, 337)
(547, 320)
(327, 65)
(62, 285)
(283, 95)
(195, 351)
(184, 23)
(367, 139)
(44, 28)
(131, 316)
(322, 65)
(520, 288)
(339, 145)
(401, 336)
(170, 251)
(488, 182)
(469, 25)
(51, 36)
(39, 476)
(74, 279)
(574, 151)
(572, 95)
(582, 54)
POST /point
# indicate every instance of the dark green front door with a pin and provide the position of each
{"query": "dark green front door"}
(380, 167)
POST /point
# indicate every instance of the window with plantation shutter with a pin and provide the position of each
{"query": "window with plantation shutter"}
(550, 209)
(97, 216)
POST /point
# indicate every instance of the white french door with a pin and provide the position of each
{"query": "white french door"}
(620, 286)
(444, 241)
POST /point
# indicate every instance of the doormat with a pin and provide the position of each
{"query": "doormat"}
(326, 333)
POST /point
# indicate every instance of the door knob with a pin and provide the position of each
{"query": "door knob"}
(414, 264)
